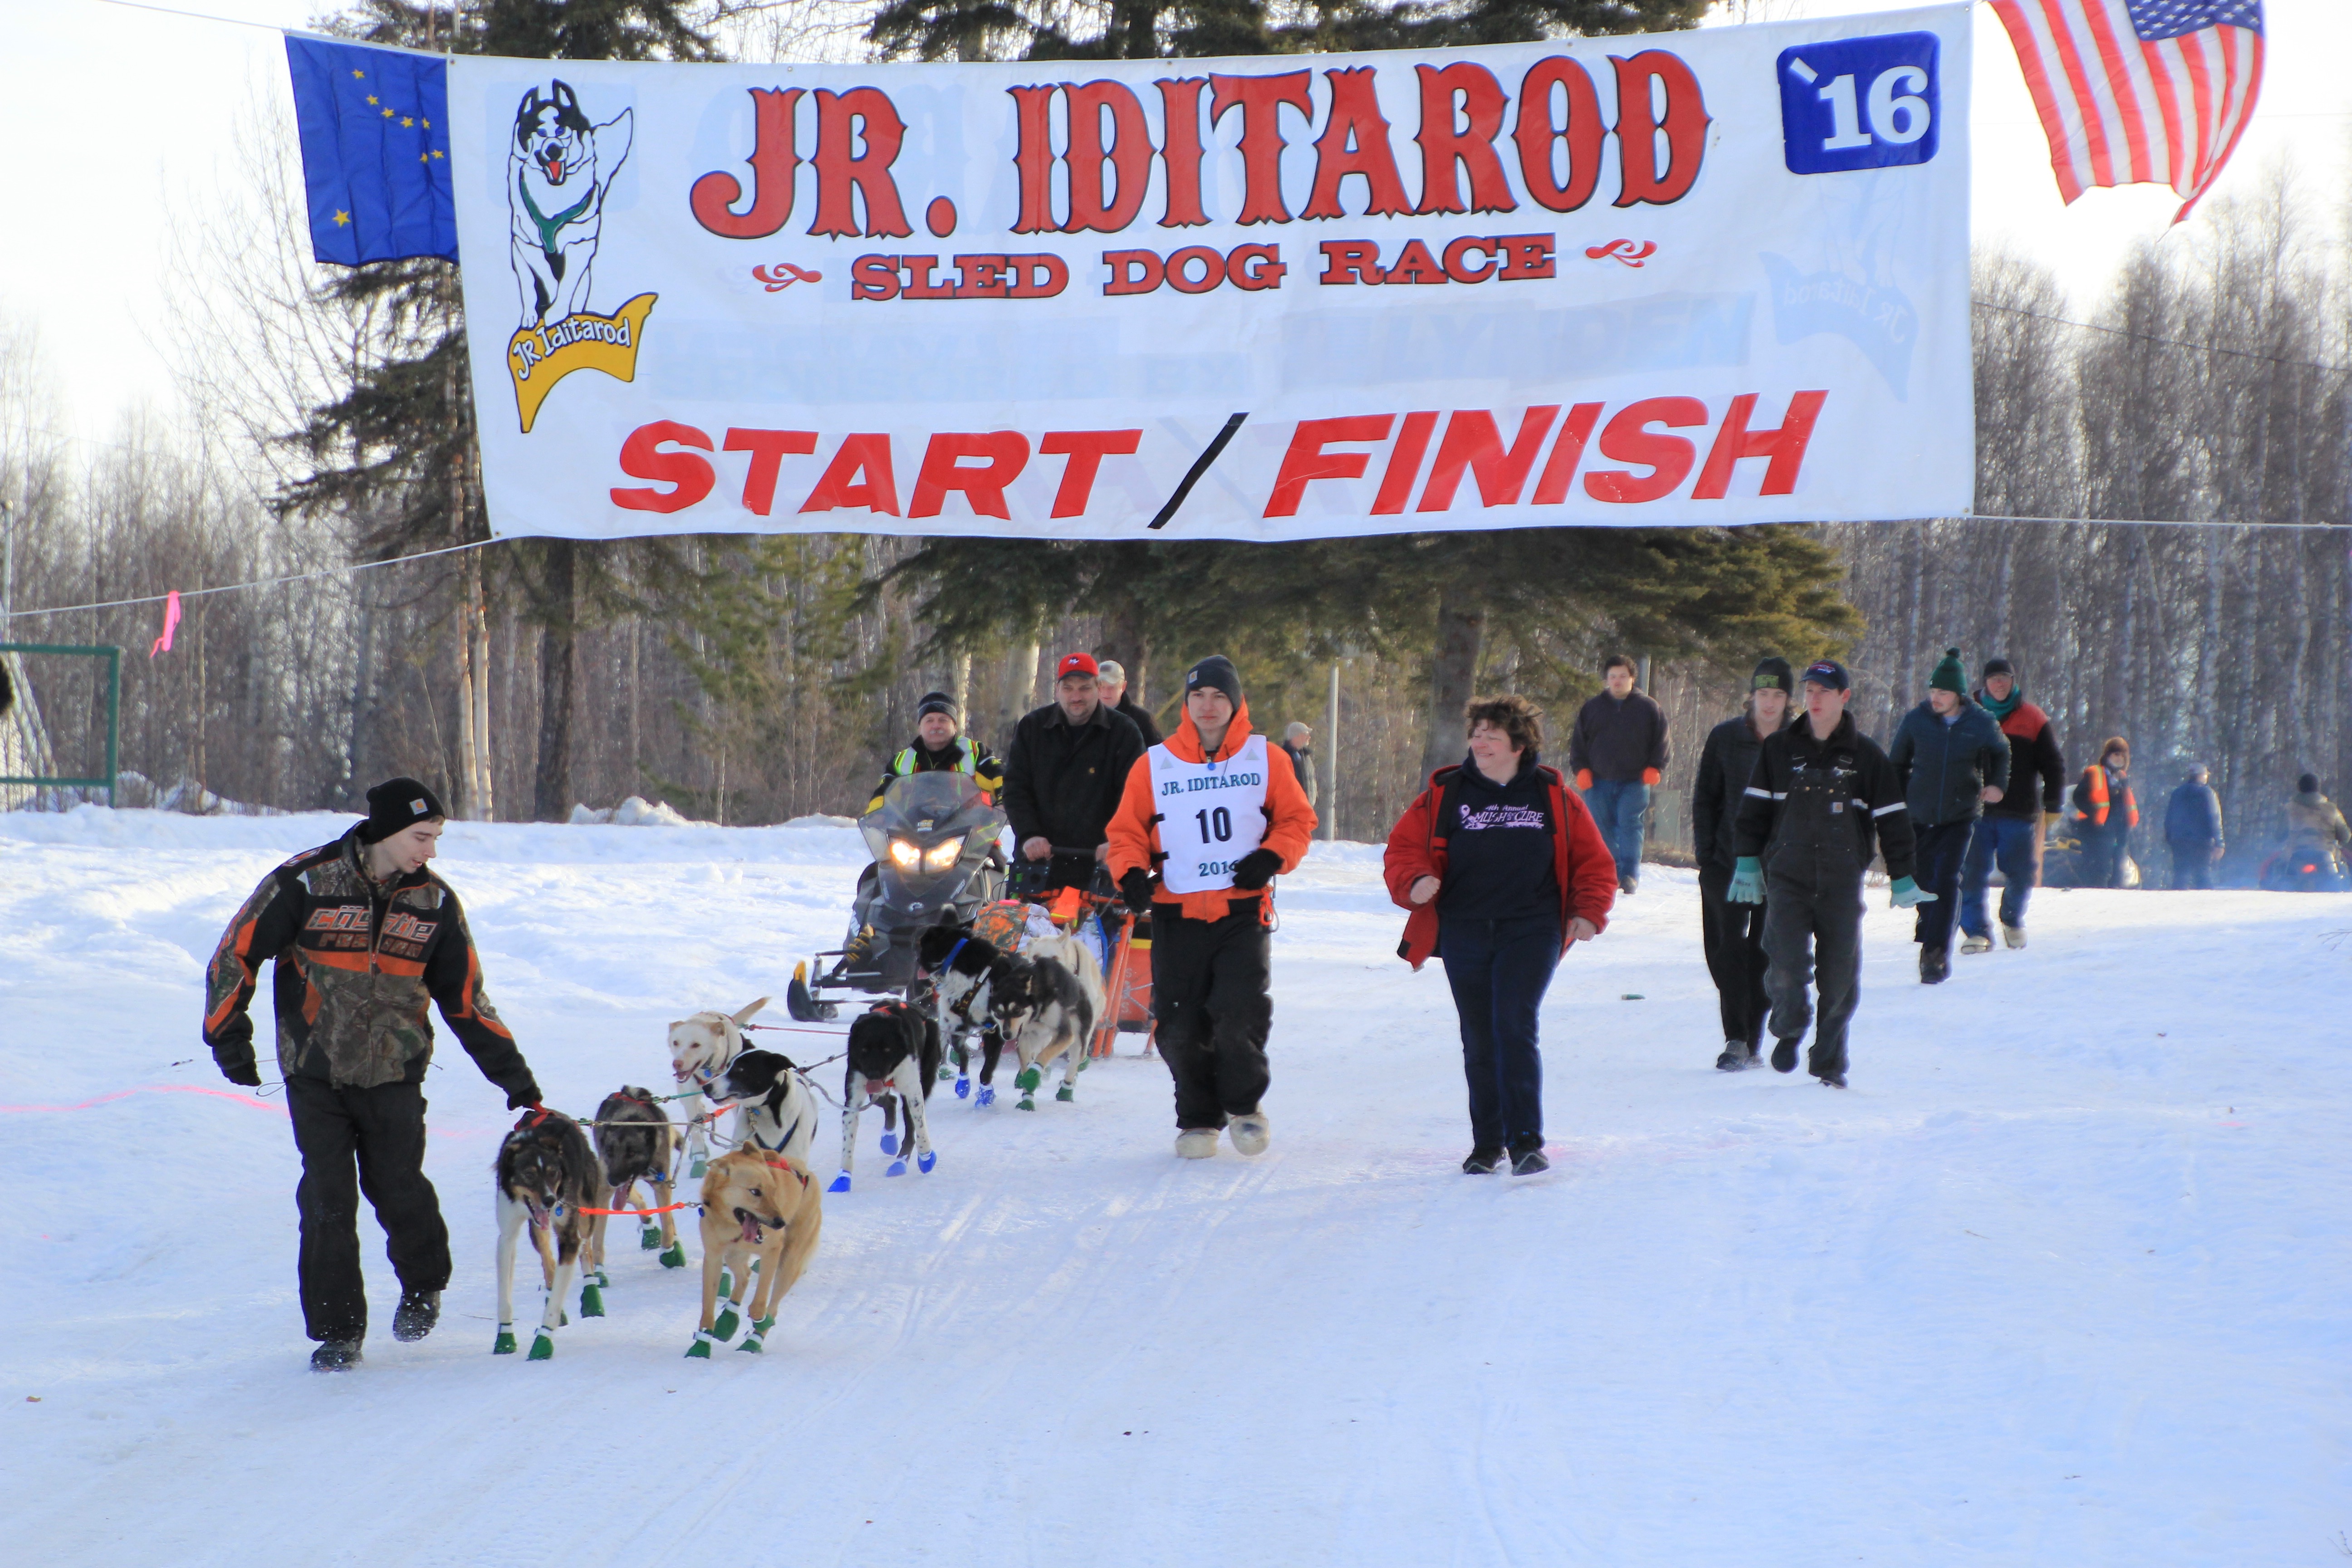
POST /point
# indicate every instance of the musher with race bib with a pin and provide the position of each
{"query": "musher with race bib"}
(1209, 818)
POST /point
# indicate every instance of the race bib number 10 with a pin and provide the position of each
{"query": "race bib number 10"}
(1211, 815)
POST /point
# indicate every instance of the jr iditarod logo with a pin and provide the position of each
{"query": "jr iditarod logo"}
(558, 172)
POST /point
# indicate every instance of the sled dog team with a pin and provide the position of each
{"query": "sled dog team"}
(761, 1208)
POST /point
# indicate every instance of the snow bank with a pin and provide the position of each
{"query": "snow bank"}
(2063, 1279)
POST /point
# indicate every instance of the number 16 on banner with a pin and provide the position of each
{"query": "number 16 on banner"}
(1858, 103)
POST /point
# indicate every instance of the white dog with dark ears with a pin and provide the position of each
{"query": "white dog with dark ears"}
(558, 172)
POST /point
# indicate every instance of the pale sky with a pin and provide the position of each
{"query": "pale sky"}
(107, 109)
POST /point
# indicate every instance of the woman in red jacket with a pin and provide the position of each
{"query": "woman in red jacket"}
(1504, 871)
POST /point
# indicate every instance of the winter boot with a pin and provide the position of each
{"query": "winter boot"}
(1197, 1142)
(1935, 965)
(1629, 884)
(418, 1313)
(2013, 937)
(1784, 1055)
(1527, 1160)
(1973, 943)
(1483, 1162)
(1832, 1079)
(1250, 1133)
(335, 1355)
(1738, 1057)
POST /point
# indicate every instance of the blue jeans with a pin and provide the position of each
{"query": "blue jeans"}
(1499, 971)
(2014, 843)
(1939, 856)
(1618, 807)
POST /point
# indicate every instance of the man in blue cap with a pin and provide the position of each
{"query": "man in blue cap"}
(1822, 796)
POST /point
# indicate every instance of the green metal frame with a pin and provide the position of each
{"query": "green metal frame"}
(113, 656)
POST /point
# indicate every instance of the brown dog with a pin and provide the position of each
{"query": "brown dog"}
(759, 1210)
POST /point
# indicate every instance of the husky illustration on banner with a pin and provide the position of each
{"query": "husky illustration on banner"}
(560, 170)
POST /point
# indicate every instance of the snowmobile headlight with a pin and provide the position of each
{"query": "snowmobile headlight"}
(943, 855)
(905, 854)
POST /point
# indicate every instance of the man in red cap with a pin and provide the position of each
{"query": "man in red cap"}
(1062, 774)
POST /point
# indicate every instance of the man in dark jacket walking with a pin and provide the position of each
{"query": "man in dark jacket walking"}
(1618, 753)
(2011, 833)
(1734, 933)
(363, 936)
(1062, 774)
(2192, 830)
(1110, 682)
(1823, 798)
(1953, 760)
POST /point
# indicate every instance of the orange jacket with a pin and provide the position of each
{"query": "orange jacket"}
(2096, 795)
(1135, 833)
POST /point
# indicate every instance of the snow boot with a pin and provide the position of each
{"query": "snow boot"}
(1832, 1079)
(1527, 1160)
(335, 1355)
(1197, 1142)
(1975, 945)
(414, 1318)
(1784, 1055)
(1629, 885)
(1935, 965)
(1250, 1133)
(1737, 1056)
(1483, 1162)
(2013, 937)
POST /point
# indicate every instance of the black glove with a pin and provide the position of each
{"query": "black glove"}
(523, 1099)
(1255, 869)
(1135, 888)
(243, 1072)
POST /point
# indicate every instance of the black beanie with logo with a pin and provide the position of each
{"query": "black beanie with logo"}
(395, 805)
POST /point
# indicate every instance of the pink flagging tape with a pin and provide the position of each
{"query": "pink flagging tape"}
(252, 1099)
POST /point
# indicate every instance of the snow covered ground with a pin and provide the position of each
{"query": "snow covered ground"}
(2063, 1279)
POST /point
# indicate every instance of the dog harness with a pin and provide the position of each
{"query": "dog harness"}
(548, 227)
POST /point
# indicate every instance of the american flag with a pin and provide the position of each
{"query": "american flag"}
(2139, 90)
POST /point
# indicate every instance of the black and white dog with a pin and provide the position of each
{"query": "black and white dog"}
(1046, 1003)
(547, 1175)
(893, 1057)
(559, 169)
(778, 1112)
(963, 967)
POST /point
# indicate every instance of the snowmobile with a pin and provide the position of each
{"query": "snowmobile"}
(2303, 868)
(933, 839)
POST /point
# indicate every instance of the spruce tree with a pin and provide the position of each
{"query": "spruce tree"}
(397, 451)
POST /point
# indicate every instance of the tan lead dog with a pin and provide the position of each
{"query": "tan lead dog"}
(759, 1210)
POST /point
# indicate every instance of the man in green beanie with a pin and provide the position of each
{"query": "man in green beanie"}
(1953, 761)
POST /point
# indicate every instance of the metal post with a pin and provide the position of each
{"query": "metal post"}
(1330, 783)
(114, 723)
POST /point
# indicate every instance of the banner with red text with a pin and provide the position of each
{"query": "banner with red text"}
(1711, 277)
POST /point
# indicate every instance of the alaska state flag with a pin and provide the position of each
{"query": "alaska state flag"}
(376, 151)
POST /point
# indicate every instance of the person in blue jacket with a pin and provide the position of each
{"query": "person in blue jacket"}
(1953, 761)
(2192, 830)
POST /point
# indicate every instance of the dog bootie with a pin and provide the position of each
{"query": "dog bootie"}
(674, 1255)
(701, 1349)
(649, 1238)
(890, 1143)
(963, 1088)
(414, 1318)
(591, 1300)
(894, 1168)
(542, 1345)
(1026, 1103)
(925, 1162)
(335, 1355)
(946, 1072)
(759, 1332)
(1066, 1094)
(840, 1184)
(1028, 1077)
(1197, 1142)
(1251, 1132)
(505, 1343)
(695, 1170)
(729, 1320)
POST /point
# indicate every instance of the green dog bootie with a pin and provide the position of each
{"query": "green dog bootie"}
(674, 1255)
(1066, 1094)
(1028, 1077)
(542, 1345)
(724, 1328)
(695, 1170)
(505, 1343)
(591, 1300)
(701, 1349)
(648, 1238)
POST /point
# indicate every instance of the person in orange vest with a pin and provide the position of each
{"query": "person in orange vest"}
(2107, 813)
(1209, 818)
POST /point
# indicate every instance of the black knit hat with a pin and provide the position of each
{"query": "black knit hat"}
(937, 702)
(1999, 666)
(2307, 784)
(1217, 671)
(398, 804)
(1773, 674)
